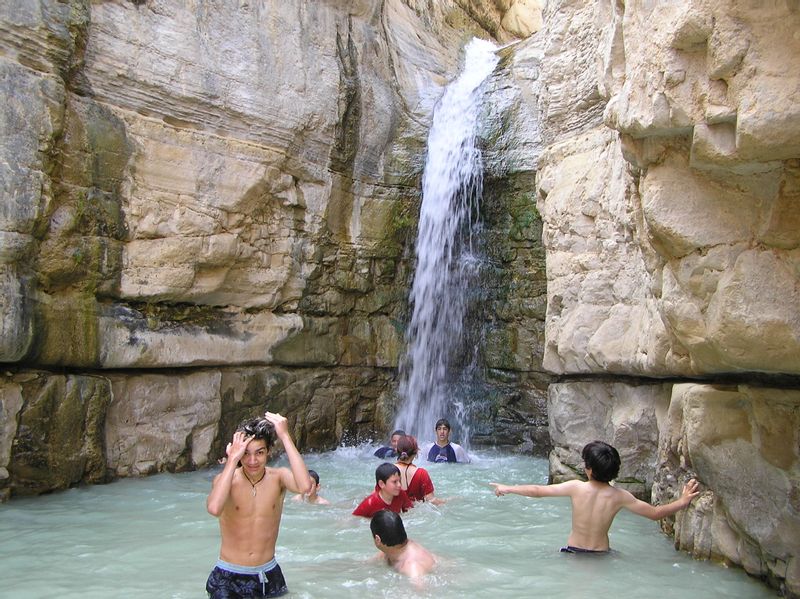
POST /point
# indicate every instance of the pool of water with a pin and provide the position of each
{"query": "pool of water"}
(152, 537)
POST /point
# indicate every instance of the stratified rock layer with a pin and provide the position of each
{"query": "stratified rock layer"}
(666, 175)
(207, 211)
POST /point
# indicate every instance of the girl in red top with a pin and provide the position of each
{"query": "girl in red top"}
(415, 481)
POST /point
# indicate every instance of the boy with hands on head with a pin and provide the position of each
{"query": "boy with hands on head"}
(247, 497)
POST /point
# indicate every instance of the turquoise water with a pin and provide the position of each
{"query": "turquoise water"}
(152, 537)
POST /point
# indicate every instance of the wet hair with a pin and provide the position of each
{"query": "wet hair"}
(399, 431)
(389, 527)
(406, 447)
(314, 475)
(603, 460)
(384, 471)
(442, 421)
(258, 428)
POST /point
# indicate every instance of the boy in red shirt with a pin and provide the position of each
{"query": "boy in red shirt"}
(388, 493)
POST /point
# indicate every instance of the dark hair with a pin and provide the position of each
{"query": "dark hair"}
(399, 431)
(389, 527)
(258, 428)
(442, 421)
(384, 471)
(406, 447)
(603, 460)
(314, 475)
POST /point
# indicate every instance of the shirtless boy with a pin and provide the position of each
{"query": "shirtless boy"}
(313, 495)
(595, 502)
(401, 553)
(248, 500)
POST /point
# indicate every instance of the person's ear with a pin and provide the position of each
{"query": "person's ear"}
(378, 540)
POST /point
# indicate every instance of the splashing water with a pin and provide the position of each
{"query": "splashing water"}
(439, 352)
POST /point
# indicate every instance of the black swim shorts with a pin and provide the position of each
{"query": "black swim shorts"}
(223, 583)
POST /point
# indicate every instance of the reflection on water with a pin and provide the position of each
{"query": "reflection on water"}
(152, 537)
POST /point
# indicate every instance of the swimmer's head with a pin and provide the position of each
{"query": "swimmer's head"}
(442, 431)
(387, 529)
(442, 422)
(259, 428)
(406, 448)
(602, 459)
(385, 471)
(395, 437)
(314, 476)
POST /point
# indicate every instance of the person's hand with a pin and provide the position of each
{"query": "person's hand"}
(499, 489)
(279, 422)
(690, 491)
(236, 448)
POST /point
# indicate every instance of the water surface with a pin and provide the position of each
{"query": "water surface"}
(152, 537)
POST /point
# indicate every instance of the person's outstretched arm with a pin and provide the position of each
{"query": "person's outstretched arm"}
(557, 490)
(298, 481)
(656, 512)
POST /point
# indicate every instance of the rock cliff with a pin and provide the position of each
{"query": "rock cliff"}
(208, 209)
(663, 142)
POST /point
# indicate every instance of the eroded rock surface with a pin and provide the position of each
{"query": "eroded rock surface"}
(196, 194)
(666, 166)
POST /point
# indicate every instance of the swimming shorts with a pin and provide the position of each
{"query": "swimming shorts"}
(571, 549)
(231, 581)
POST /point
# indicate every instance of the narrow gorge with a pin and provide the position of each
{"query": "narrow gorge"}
(209, 207)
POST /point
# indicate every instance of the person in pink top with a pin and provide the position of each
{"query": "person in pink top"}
(416, 482)
(388, 494)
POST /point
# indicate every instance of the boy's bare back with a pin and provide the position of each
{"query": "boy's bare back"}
(596, 502)
(413, 561)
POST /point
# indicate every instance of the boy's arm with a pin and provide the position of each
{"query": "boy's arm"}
(656, 512)
(296, 479)
(221, 487)
(557, 490)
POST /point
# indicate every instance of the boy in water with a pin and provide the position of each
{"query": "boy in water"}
(444, 450)
(390, 451)
(248, 500)
(313, 495)
(401, 553)
(388, 493)
(595, 502)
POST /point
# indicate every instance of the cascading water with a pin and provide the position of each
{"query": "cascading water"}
(438, 353)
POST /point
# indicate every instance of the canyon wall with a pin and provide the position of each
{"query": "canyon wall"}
(210, 210)
(666, 166)
(207, 210)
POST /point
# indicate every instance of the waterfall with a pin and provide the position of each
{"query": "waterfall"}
(439, 354)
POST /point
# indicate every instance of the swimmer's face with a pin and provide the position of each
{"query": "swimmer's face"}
(255, 455)
(393, 441)
(443, 434)
(392, 485)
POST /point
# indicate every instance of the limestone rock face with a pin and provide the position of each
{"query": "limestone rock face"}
(57, 425)
(666, 166)
(628, 417)
(688, 241)
(744, 444)
(207, 189)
